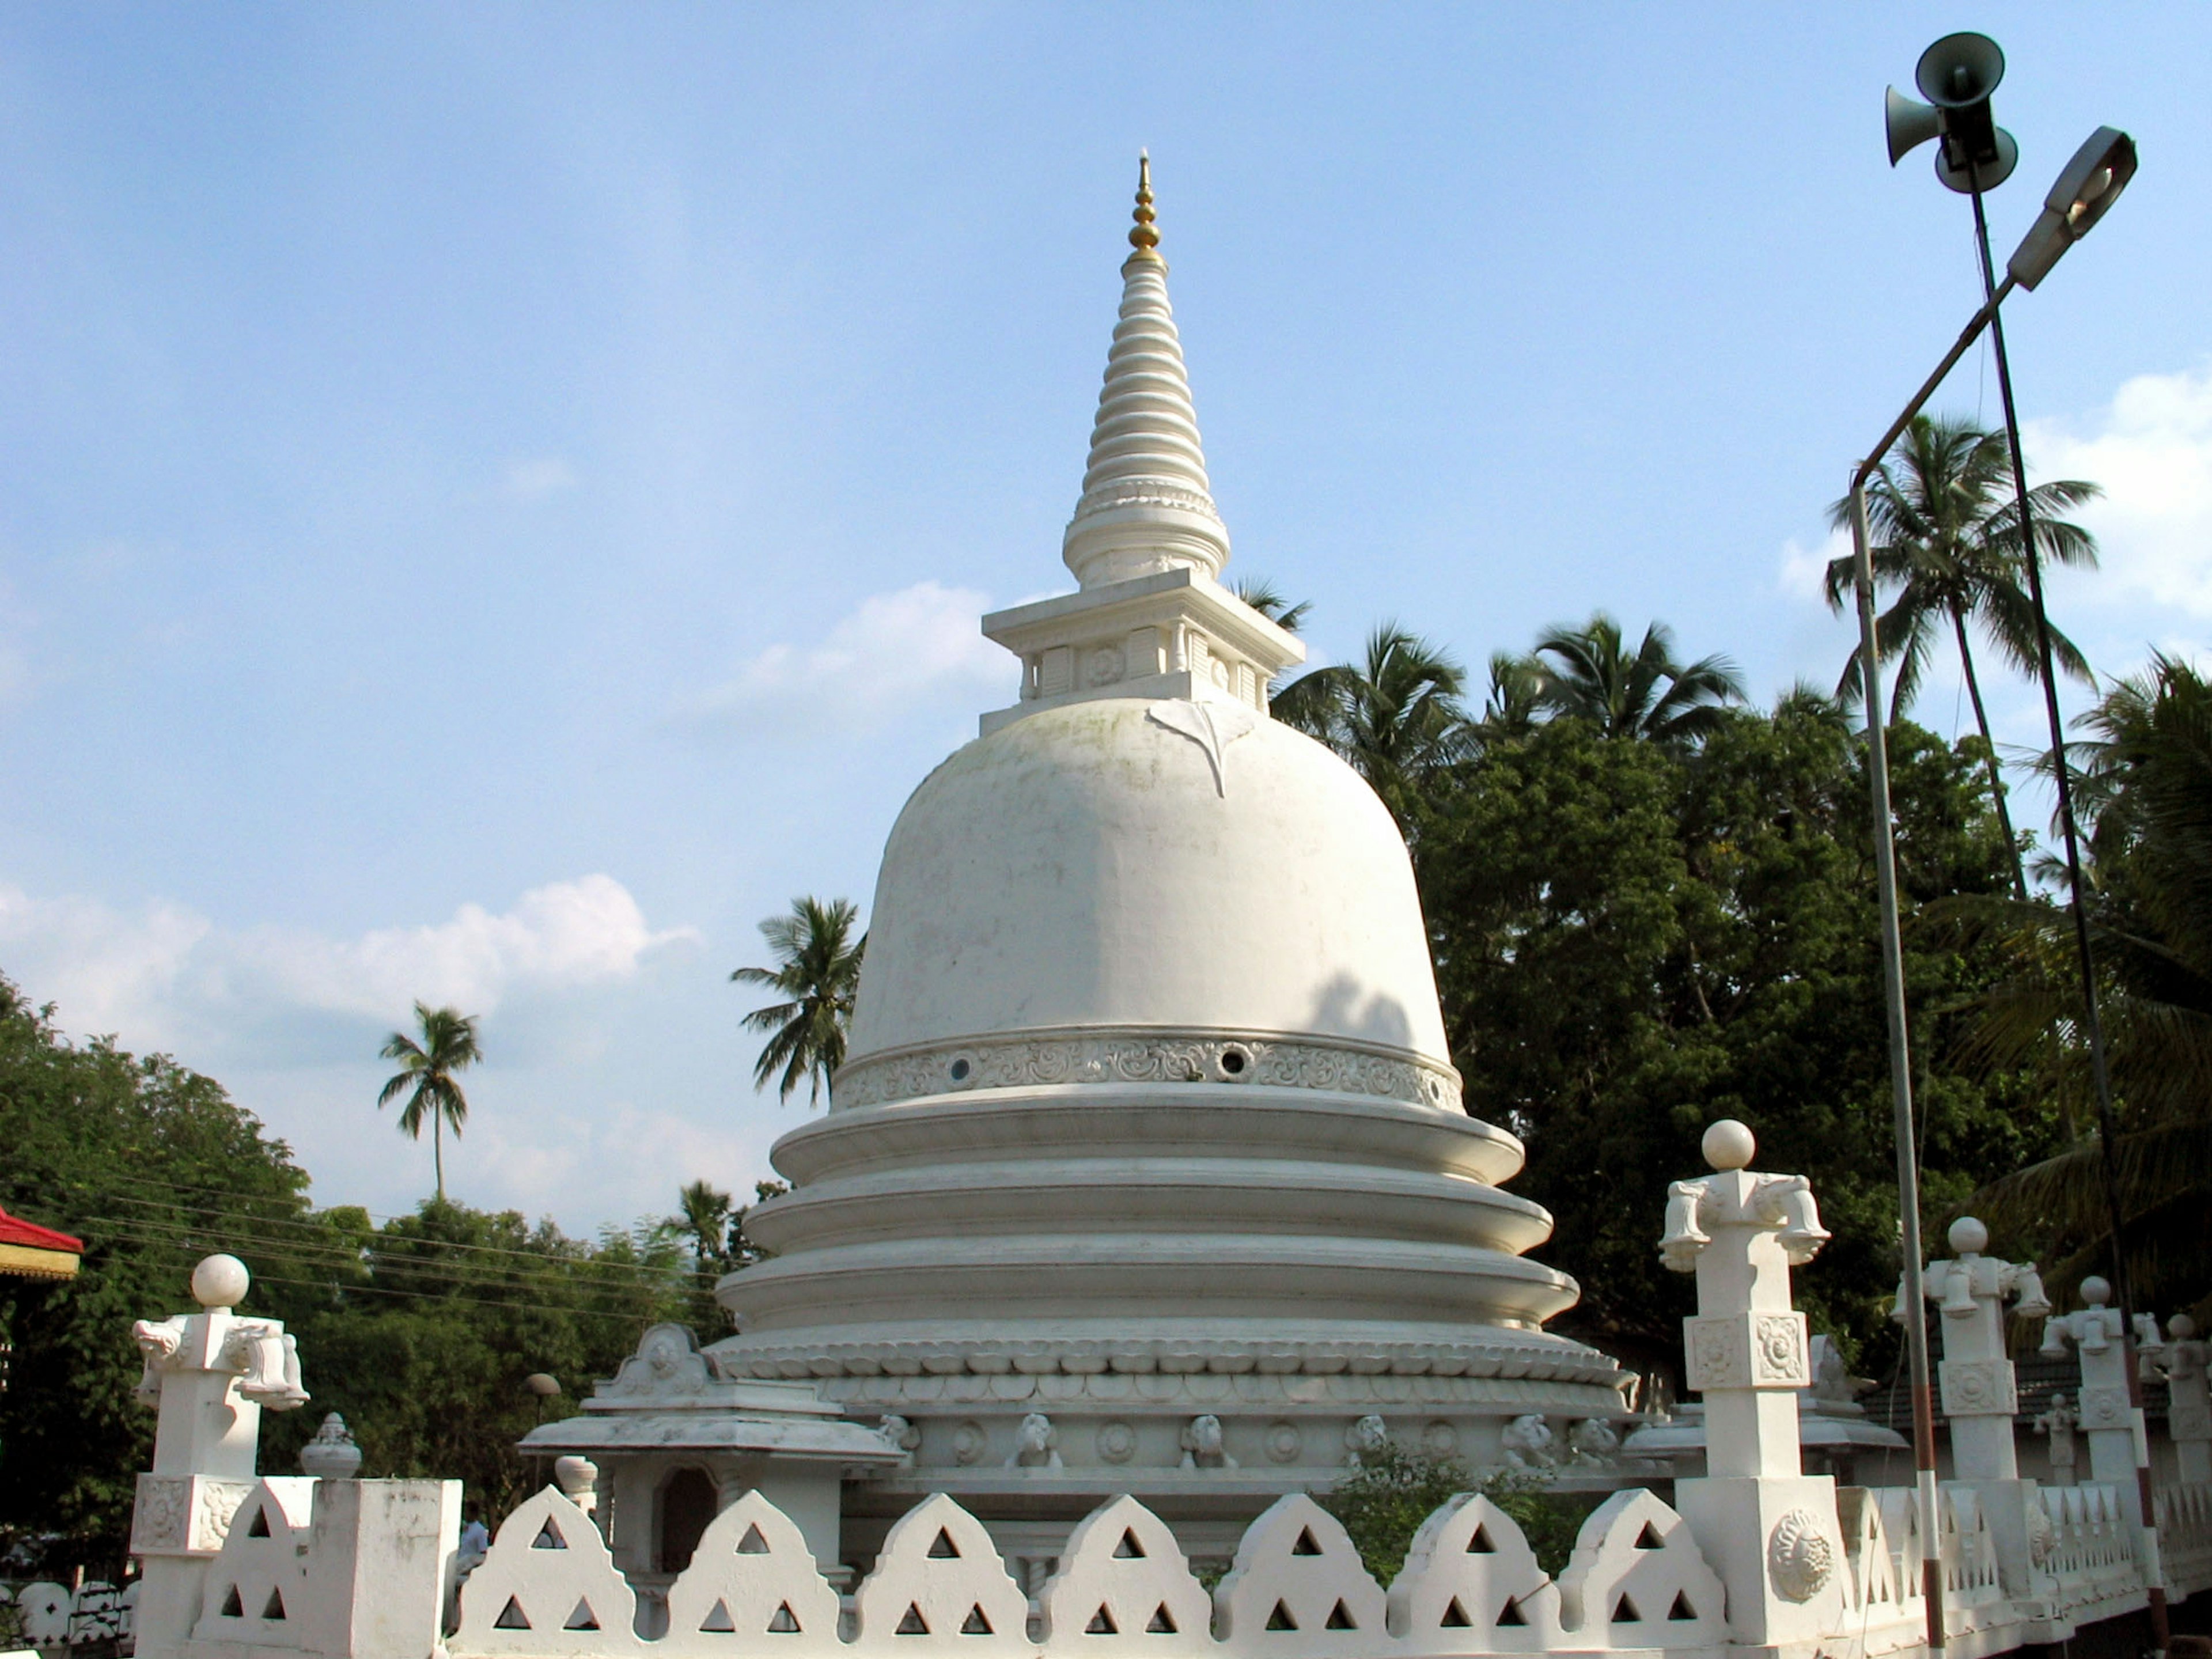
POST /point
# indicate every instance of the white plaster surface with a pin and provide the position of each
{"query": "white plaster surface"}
(1080, 868)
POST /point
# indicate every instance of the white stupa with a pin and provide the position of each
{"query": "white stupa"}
(1147, 1171)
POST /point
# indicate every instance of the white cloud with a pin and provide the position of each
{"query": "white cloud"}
(1804, 569)
(565, 934)
(165, 977)
(528, 479)
(2151, 449)
(108, 971)
(918, 644)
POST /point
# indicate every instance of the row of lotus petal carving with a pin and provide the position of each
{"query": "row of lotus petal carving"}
(1210, 1391)
(1169, 1356)
(951, 1068)
(1146, 492)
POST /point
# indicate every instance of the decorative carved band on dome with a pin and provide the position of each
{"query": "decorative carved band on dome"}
(1221, 1358)
(1142, 1056)
(1144, 492)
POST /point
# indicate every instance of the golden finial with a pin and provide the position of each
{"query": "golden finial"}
(1143, 237)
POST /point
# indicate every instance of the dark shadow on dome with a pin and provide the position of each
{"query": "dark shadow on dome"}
(1345, 1006)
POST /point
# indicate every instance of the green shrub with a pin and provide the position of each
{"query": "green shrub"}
(1383, 1502)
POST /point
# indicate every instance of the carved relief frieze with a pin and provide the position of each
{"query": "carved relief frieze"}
(1145, 1057)
(1145, 492)
(2105, 1407)
(1801, 1557)
(1979, 1387)
(184, 1514)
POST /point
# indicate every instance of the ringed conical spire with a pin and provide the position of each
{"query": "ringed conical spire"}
(1147, 505)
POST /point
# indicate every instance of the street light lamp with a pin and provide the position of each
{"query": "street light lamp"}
(1957, 74)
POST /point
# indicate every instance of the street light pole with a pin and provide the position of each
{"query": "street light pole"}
(1912, 1311)
(2094, 1024)
(1958, 74)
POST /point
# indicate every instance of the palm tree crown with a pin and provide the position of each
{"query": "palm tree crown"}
(818, 971)
(1588, 674)
(703, 1218)
(1264, 597)
(1947, 543)
(447, 1045)
(1396, 716)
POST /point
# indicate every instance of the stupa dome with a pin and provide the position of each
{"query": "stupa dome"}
(1092, 870)
(1148, 1113)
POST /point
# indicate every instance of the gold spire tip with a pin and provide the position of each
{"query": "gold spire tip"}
(1144, 237)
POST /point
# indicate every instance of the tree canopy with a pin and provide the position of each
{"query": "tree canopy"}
(420, 1329)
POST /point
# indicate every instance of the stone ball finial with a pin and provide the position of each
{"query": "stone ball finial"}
(2096, 1291)
(220, 1282)
(1968, 1236)
(1729, 1145)
(2181, 1328)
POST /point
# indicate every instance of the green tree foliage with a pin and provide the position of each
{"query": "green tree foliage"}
(818, 972)
(1384, 1500)
(420, 1330)
(1633, 939)
(1588, 674)
(430, 1323)
(1395, 716)
(1944, 522)
(2147, 798)
(145, 1161)
(428, 1076)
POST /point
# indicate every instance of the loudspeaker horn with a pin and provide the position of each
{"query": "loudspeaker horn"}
(1983, 175)
(1960, 69)
(1909, 122)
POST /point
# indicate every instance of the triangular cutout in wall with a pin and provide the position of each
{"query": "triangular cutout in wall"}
(1280, 1618)
(785, 1623)
(583, 1618)
(976, 1624)
(1306, 1546)
(1455, 1617)
(1510, 1613)
(1101, 1623)
(911, 1622)
(273, 1609)
(1480, 1544)
(549, 1537)
(718, 1622)
(258, 1527)
(1625, 1611)
(1162, 1622)
(942, 1548)
(1340, 1618)
(233, 1607)
(1649, 1539)
(512, 1617)
(1131, 1548)
(1681, 1610)
(752, 1543)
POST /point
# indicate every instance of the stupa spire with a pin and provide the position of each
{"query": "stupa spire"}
(1147, 504)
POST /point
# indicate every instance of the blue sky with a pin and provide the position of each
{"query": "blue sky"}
(494, 500)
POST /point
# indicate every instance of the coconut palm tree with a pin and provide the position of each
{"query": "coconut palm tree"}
(1396, 716)
(817, 970)
(702, 1220)
(1946, 544)
(1588, 674)
(1264, 597)
(445, 1043)
(1515, 697)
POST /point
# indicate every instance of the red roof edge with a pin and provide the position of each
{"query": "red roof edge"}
(14, 1231)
